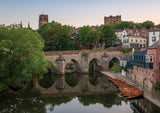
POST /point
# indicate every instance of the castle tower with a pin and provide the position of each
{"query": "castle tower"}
(43, 19)
(113, 20)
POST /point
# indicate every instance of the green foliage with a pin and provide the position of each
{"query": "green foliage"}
(157, 86)
(108, 36)
(71, 79)
(21, 55)
(85, 54)
(57, 37)
(125, 50)
(124, 24)
(115, 68)
(106, 100)
(87, 36)
(99, 48)
(138, 25)
(148, 24)
(91, 68)
(51, 63)
(126, 68)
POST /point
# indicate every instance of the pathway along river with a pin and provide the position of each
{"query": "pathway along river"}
(88, 100)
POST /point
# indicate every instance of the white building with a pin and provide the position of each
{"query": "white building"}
(124, 33)
(118, 33)
(134, 42)
(153, 36)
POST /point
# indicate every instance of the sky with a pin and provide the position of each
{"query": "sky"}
(77, 12)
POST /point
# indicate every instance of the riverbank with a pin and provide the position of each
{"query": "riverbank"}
(147, 94)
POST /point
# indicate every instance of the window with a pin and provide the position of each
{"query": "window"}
(140, 40)
(136, 40)
(132, 40)
(151, 58)
(152, 74)
(140, 45)
(142, 70)
(145, 71)
(144, 41)
(148, 73)
(153, 39)
(153, 33)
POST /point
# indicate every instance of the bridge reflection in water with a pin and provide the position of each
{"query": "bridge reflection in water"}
(75, 83)
(73, 93)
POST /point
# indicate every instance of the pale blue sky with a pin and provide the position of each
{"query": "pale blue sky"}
(77, 12)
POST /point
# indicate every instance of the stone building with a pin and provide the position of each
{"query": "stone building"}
(43, 19)
(112, 20)
(134, 42)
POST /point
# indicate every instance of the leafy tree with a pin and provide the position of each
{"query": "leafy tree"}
(57, 37)
(124, 24)
(87, 36)
(108, 35)
(148, 24)
(21, 55)
(138, 25)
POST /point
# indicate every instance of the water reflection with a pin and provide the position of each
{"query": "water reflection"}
(82, 98)
(77, 84)
(72, 79)
(49, 77)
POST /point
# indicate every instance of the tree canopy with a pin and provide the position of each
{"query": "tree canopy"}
(87, 36)
(148, 24)
(108, 35)
(57, 37)
(124, 24)
(21, 55)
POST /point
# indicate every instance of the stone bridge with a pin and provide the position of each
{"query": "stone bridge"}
(82, 58)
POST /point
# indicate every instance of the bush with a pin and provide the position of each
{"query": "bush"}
(157, 86)
(115, 69)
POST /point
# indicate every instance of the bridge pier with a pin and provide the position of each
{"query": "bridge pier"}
(60, 65)
(84, 63)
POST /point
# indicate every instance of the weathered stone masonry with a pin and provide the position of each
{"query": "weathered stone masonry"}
(82, 58)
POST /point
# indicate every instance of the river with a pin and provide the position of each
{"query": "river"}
(76, 93)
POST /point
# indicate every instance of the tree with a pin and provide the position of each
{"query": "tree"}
(108, 35)
(87, 36)
(148, 24)
(57, 37)
(21, 55)
(124, 24)
(138, 25)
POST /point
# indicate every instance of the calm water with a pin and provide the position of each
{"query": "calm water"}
(95, 97)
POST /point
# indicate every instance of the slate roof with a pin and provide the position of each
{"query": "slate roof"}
(155, 45)
(154, 30)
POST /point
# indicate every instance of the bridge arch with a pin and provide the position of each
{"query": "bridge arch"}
(73, 66)
(94, 65)
(113, 60)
